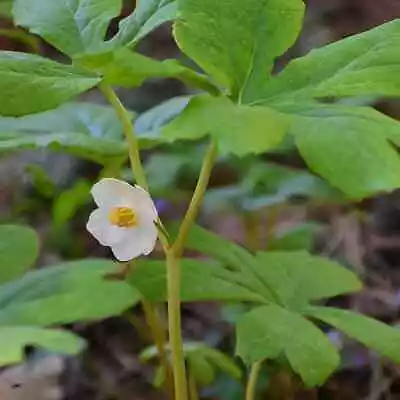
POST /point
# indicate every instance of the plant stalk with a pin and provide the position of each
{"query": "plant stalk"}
(159, 338)
(174, 325)
(252, 380)
(126, 120)
(194, 395)
(195, 203)
(150, 311)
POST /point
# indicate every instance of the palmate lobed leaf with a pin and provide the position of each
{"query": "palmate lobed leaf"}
(31, 83)
(19, 248)
(73, 26)
(237, 129)
(298, 277)
(14, 339)
(200, 281)
(361, 65)
(376, 335)
(148, 15)
(74, 291)
(86, 130)
(348, 146)
(237, 43)
(270, 331)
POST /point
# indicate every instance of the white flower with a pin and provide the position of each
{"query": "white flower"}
(124, 220)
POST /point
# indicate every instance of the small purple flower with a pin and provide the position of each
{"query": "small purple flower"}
(162, 205)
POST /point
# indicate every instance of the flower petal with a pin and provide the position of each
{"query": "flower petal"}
(138, 241)
(99, 226)
(110, 192)
(143, 204)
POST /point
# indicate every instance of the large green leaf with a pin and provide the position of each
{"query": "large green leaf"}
(232, 256)
(361, 65)
(199, 281)
(269, 331)
(73, 26)
(209, 243)
(102, 151)
(298, 277)
(31, 84)
(151, 121)
(75, 291)
(19, 248)
(148, 15)
(348, 146)
(238, 129)
(13, 341)
(86, 130)
(237, 42)
(125, 68)
(374, 334)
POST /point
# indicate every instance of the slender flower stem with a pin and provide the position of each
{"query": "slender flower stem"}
(252, 380)
(151, 314)
(126, 120)
(197, 198)
(172, 253)
(174, 325)
(194, 395)
(159, 338)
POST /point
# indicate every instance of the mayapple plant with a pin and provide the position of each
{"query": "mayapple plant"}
(240, 109)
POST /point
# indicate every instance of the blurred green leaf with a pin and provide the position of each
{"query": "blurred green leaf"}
(202, 358)
(6, 8)
(237, 129)
(14, 339)
(374, 334)
(237, 43)
(298, 238)
(42, 182)
(201, 369)
(163, 169)
(30, 83)
(147, 16)
(265, 184)
(269, 331)
(69, 201)
(73, 26)
(70, 292)
(19, 249)
(199, 281)
(360, 65)
(298, 277)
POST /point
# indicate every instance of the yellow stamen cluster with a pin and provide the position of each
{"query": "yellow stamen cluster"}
(124, 217)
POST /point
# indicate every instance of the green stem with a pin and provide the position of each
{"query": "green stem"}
(126, 120)
(194, 395)
(252, 381)
(159, 338)
(151, 314)
(197, 198)
(252, 230)
(174, 325)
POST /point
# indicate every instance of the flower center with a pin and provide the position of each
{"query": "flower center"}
(124, 217)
